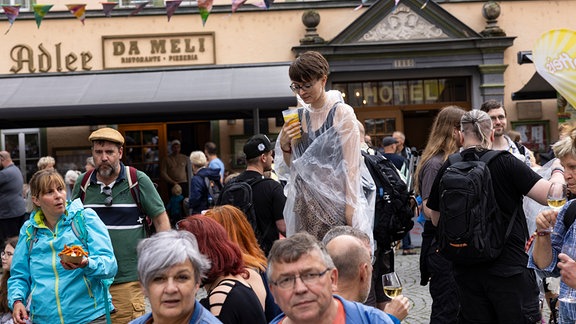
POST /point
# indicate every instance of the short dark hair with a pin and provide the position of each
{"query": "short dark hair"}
(309, 66)
(210, 148)
(492, 104)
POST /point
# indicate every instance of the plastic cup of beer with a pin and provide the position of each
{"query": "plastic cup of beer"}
(290, 117)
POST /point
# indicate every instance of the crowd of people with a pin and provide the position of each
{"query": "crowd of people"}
(308, 256)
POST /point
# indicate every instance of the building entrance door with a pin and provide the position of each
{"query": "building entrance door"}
(143, 148)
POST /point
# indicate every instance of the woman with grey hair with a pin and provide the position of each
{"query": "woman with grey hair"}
(170, 269)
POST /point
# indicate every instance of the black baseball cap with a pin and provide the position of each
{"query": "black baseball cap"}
(257, 145)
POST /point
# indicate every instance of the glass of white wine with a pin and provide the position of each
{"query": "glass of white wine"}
(392, 285)
(557, 195)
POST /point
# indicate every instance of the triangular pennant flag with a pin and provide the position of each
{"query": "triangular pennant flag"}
(205, 6)
(237, 4)
(40, 11)
(107, 8)
(260, 4)
(171, 6)
(11, 12)
(139, 7)
(78, 10)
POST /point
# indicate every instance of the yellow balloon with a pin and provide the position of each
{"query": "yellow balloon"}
(554, 56)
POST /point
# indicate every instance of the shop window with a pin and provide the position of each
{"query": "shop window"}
(24, 148)
(405, 92)
(142, 151)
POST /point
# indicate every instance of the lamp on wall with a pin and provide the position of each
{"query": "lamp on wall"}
(231, 121)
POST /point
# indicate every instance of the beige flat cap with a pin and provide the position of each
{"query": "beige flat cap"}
(107, 134)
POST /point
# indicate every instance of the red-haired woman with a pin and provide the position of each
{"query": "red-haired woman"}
(240, 231)
(230, 296)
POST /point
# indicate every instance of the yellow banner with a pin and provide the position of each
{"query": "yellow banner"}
(554, 56)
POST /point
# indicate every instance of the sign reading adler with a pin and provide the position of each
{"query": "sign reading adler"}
(122, 52)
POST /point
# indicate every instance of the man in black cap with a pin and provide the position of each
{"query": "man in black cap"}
(389, 144)
(267, 194)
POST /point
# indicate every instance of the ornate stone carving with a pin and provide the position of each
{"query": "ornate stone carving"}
(403, 24)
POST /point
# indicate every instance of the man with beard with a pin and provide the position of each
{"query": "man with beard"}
(503, 142)
(108, 193)
(267, 194)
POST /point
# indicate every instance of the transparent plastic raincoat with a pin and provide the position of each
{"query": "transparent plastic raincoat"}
(324, 177)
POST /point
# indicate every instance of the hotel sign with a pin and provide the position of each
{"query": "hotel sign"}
(127, 52)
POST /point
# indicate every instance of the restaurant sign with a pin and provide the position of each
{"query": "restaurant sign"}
(127, 52)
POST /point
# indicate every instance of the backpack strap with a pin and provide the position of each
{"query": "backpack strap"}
(490, 155)
(570, 215)
(85, 184)
(132, 178)
(521, 148)
(252, 182)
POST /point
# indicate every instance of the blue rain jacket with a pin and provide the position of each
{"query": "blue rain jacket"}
(52, 293)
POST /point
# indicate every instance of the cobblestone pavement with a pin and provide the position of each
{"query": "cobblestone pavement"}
(407, 268)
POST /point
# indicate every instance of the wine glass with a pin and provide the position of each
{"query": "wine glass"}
(556, 199)
(392, 285)
(569, 294)
(557, 195)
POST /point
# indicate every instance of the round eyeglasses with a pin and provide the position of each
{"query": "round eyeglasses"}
(296, 88)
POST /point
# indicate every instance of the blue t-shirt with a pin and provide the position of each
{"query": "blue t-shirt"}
(217, 164)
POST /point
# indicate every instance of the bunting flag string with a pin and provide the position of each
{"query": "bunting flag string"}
(237, 4)
(11, 13)
(268, 3)
(171, 6)
(107, 8)
(260, 4)
(139, 7)
(40, 11)
(205, 6)
(78, 10)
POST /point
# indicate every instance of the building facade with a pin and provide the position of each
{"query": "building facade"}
(160, 79)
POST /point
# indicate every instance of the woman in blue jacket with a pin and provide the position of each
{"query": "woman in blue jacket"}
(51, 290)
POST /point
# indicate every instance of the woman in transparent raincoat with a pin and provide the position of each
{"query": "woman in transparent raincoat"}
(320, 156)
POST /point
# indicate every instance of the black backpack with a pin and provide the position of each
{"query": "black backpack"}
(214, 190)
(471, 228)
(239, 194)
(393, 210)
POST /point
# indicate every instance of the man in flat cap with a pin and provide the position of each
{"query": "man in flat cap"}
(107, 191)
